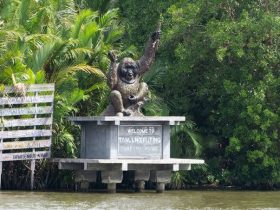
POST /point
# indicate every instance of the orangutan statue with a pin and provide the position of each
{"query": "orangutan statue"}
(124, 78)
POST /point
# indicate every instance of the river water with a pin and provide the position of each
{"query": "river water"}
(149, 200)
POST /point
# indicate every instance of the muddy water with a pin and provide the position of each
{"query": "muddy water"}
(148, 200)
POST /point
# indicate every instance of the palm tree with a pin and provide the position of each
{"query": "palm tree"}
(55, 41)
(58, 39)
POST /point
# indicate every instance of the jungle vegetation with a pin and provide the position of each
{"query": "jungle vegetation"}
(218, 64)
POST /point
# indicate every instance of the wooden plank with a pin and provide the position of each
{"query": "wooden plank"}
(26, 100)
(24, 133)
(25, 144)
(26, 122)
(24, 156)
(26, 111)
(32, 88)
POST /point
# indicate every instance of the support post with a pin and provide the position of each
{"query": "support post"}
(111, 187)
(84, 186)
(33, 162)
(1, 166)
(140, 185)
(83, 178)
(161, 178)
(160, 187)
(140, 177)
(32, 167)
(1, 174)
(111, 178)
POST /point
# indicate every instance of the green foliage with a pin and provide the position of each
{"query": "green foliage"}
(227, 53)
(219, 64)
(186, 142)
(141, 19)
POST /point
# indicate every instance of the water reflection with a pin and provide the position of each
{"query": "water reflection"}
(149, 200)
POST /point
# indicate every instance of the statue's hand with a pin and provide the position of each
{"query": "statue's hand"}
(112, 56)
(132, 99)
(156, 35)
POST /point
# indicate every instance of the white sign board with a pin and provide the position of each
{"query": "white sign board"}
(26, 122)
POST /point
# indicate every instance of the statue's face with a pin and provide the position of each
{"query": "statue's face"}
(128, 70)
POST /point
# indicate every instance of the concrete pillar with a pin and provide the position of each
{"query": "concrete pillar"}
(160, 187)
(140, 177)
(83, 178)
(161, 178)
(111, 178)
(140, 186)
(84, 186)
(111, 187)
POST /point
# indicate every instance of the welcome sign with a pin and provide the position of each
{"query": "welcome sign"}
(140, 141)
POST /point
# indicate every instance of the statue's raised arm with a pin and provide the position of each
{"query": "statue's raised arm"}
(112, 76)
(149, 55)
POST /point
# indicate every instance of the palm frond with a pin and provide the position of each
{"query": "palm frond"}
(44, 38)
(185, 132)
(10, 13)
(26, 77)
(11, 59)
(24, 12)
(10, 35)
(57, 49)
(76, 53)
(114, 35)
(87, 69)
(89, 32)
(196, 138)
(106, 19)
(4, 10)
(36, 21)
(62, 5)
(81, 19)
(131, 51)
(64, 73)
(96, 86)
(155, 76)
(155, 106)
(46, 53)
